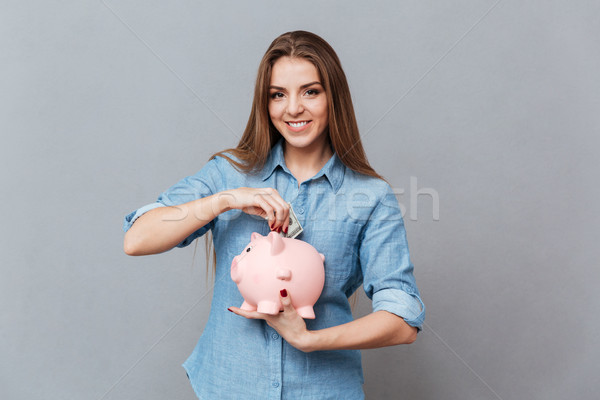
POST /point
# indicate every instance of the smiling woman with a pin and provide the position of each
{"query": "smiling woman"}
(301, 148)
(298, 110)
(294, 105)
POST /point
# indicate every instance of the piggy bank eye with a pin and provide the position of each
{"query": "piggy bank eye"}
(248, 249)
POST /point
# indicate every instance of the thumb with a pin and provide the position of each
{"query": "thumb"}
(286, 300)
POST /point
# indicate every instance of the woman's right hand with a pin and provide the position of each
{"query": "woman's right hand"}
(264, 202)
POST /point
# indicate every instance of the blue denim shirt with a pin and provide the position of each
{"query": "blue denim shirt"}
(355, 221)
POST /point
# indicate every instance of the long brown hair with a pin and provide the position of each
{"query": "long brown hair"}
(261, 135)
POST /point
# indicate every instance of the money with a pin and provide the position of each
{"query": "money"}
(294, 227)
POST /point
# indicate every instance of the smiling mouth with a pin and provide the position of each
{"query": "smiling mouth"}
(297, 124)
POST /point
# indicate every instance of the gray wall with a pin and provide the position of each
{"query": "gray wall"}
(491, 104)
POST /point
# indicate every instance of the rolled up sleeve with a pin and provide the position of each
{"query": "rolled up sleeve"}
(132, 216)
(385, 262)
(204, 183)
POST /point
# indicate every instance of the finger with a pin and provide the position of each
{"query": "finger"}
(267, 208)
(286, 224)
(279, 210)
(283, 215)
(286, 301)
(255, 210)
(282, 209)
(247, 314)
(275, 202)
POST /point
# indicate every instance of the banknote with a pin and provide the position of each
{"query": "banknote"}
(294, 228)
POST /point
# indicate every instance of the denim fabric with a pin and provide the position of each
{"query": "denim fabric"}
(355, 221)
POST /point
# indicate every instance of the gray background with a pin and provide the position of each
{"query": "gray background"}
(492, 104)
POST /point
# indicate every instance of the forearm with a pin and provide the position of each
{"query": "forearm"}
(378, 329)
(163, 228)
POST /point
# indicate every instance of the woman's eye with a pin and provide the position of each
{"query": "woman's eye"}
(312, 92)
(276, 95)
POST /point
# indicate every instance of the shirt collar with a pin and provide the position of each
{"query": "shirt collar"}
(333, 170)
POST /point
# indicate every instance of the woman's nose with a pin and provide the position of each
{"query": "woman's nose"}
(295, 106)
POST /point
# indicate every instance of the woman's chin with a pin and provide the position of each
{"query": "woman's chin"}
(301, 140)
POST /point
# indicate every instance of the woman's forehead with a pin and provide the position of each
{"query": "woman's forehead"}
(289, 71)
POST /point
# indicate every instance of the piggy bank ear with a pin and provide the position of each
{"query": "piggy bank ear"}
(255, 236)
(322, 257)
(277, 244)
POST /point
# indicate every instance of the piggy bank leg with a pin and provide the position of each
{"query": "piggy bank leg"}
(268, 307)
(247, 307)
(306, 312)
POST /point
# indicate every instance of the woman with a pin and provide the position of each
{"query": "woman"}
(301, 147)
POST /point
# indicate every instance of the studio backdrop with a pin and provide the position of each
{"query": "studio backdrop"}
(482, 115)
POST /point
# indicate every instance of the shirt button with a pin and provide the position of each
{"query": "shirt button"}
(275, 384)
(300, 210)
(275, 336)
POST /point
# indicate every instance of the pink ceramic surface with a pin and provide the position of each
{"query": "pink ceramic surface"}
(271, 263)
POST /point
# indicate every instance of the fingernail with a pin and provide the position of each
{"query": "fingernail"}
(283, 293)
(279, 230)
(285, 230)
(271, 226)
(229, 309)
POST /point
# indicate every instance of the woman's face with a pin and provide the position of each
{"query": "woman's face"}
(298, 103)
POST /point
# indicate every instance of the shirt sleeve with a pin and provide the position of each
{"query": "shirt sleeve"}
(204, 183)
(385, 262)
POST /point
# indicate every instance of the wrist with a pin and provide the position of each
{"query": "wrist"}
(309, 341)
(223, 201)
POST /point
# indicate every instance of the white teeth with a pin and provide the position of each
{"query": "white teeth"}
(297, 124)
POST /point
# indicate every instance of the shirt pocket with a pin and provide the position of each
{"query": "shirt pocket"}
(338, 242)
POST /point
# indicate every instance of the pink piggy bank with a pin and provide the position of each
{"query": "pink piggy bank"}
(272, 263)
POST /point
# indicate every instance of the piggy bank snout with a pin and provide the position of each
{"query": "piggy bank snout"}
(283, 274)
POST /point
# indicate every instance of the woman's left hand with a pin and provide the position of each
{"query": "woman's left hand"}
(287, 323)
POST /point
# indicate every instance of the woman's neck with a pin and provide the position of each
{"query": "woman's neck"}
(304, 163)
